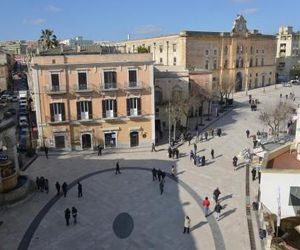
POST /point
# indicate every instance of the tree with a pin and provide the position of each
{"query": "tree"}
(276, 116)
(48, 39)
(142, 49)
(225, 88)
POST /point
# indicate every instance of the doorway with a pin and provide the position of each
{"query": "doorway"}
(238, 82)
(86, 141)
(110, 139)
(134, 139)
(59, 141)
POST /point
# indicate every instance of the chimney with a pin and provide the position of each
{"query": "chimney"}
(78, 48)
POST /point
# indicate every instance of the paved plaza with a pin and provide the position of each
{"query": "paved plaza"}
(158, 220)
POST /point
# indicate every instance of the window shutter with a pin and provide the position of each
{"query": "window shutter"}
(78, 111)
(90, 110)
(115, 108)
(103, 109)
(63, 112)
(128, 107)
(52, 112)
(139, 106)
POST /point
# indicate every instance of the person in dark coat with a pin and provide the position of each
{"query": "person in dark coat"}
(46, 151)
(154, 174)
(163, 176)
(191, 155)
(74, 214)
(259, 176)
(159, 174)
(46, 186)
(206, 135)
(161, 187)
(117, 168)
(234, 162)
(247, 133)
(37, 182)
(219, 132)
(177, 153)
(67, 216)
(57, 186)
(153, 147)
(253, 172)
(64, 188)
(195, 148)
(100, 148)
(212, 152)
(79, 187)
(218, 209)
(216, 194)
(42, 184)
(170, 152)
(203, 161)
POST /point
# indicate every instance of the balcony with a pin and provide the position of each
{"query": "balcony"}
(57, 119)
(56, 89)
(133, 85)
(83, 88)
(109, 86)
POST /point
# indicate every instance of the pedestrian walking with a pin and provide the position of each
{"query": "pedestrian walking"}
(206, 135)
(259, 176)
(64, 188)
(219, 131)
(100, 148)
(173, 171)
(286, 96)
(234, 162)
(154, 174)
(212, 132)
(247, 133)
(79, 188)
(46, 186)
(117, 168)
(187, 224)
(212, 152)
(203, 161)
(57, 186)
(153, 147)
(67, 216)
(163, 176)
(161, 187)
(74, 214)
(159, 173)
(46, 151)
(195, 160)
(191, 155)
(253, 172)
(195, 148)
(42, 183)
(206, 205)
(190, 138)
(177, 153)
(218, 209)
(216, 194)
(280, 95)
(170, 152)
(37, 182)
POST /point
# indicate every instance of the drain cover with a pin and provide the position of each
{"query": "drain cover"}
(123, 225)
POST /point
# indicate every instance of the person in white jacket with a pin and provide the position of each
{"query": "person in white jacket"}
(187, 224)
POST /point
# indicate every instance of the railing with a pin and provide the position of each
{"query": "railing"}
(56, 89)
(113, 86)
(84, 88)
(133, 85)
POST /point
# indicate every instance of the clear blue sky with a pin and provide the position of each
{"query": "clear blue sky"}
(113, 20)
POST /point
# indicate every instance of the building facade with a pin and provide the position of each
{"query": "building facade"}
(244, 58)
(288, 54)
(83, 100)
(6, 66)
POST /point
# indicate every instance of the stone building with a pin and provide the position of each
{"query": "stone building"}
(288, 54)
(6, 66)
(243, 58)
(84, 98)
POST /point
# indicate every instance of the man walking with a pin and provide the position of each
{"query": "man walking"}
(100, 149)
(212, 152)
(206, 204)
(64, 189)
(57, 186)
(37, 182)
(46, 151)
(206, 135)
(187, 224)
(216, 194)
(195, 148)
(234, 162)
(161, 187)
(247, 133)
(74, 214)
(79, 187)
(153, 147)
(154, 173)
(117, 168)
(218, 209)
(67, 216)
(163, 176)
(46, 186)
(159, 174)
(253, 172)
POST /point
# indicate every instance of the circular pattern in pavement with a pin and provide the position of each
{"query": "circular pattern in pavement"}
(123, 225)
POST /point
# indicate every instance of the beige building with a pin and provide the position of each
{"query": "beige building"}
(243, 58)
(85, 98)
(6, 65)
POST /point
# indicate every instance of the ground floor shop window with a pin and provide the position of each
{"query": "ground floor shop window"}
(86, 141)
(110, 139)
(59, 141)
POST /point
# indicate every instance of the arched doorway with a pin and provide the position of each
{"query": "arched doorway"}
(134, 139)
(86, 141)
(238, 82)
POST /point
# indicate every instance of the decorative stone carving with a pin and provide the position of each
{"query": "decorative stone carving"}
(239, 25)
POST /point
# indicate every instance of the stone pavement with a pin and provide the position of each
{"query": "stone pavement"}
(158, 219)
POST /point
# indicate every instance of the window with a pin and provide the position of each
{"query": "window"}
(82, 80)
(215, 52)
(206, 64)
(206, 52)
(53, 61)
(160, 49)
(251, 62)
(225, 63)
(257, 51)
(133, 106)
(57, 112)
(161, 60)
(132, 78)
(262, 62)
(256, 74)
(241, 63)
(109, 108)
(84, 110)
(251, 50)
(110, 79)
(174, 60)
(241, 49)
(270, 73)
(237, 49)
(256, 62)
(237, 63)
(294, 196)
(215, 64)
(158, 96)
(55, 82)
(263, 51)
(174, 47)
(225, 50)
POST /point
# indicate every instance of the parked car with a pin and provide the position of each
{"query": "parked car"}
(23, 121)
(3, 104)
(12, 111)
(23, 111)
(24, 131)
(287, 84)
(14, 98)
(4, 97)
(295, 82)
(23, 103)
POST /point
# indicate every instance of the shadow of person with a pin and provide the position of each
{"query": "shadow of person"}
(227, 213)
(218, 156)
(180, 172)
(223, 198)
(200, 224)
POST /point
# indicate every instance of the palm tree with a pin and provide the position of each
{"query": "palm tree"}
(48, 39)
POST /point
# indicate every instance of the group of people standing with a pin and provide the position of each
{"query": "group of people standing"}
(68, 215)
(210, 132)
(42, 184)
(160, 176)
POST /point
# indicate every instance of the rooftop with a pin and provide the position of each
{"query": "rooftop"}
(285, 161)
